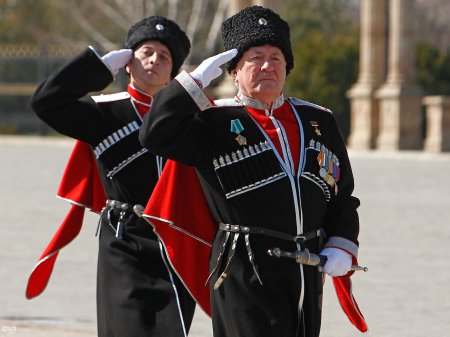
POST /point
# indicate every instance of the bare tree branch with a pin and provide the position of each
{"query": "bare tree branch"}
(112, 13)
(86, 26)
(198, 9)
(120, 14)
(221, 10)
(154, 7)
(173, 9)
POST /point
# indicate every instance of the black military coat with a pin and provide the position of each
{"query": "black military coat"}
(246, 182)
(110, 124)
(256, 189)
(133, 276)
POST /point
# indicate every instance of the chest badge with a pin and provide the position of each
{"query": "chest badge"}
(315, 125)
(237, 128)
(329, 167)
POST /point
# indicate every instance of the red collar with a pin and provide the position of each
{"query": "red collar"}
(269, 121)
(141, 100)
(139, 95)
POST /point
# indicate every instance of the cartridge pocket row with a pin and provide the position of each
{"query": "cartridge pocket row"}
(247, 169)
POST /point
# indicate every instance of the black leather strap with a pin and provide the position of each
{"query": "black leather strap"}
(318, 233)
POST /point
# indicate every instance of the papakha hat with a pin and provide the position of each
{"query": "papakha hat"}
(256, 26)
(165, 31)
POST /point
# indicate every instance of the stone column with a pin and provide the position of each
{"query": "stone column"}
(399, 96)
(372, 69)
(438, 123)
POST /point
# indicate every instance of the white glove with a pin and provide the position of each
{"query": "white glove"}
(117, 59)
(338, 262)
(210, 69)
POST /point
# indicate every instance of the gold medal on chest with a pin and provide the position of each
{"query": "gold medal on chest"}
(315, 125)
(241, 140)
(237, 128)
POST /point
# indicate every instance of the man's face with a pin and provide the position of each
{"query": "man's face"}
(261, 73)
(150, 67)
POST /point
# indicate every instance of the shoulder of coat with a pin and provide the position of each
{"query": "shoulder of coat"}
(226, 102)
(298, 102)
(111, 97)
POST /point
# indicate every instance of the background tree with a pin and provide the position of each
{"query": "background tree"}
(324, 36)
(433, 69)
(326, 49)
(432, 23)
(104, 23)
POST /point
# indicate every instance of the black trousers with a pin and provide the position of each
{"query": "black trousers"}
(242, 307)
(138, 294)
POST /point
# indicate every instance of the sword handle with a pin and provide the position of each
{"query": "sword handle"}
(359, 268)
(323, 260)
(308, 258)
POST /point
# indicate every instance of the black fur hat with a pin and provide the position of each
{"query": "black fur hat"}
(256, 26)
(165, 31)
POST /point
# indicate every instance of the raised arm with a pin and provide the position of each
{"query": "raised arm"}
(58, 100)
(174, 128)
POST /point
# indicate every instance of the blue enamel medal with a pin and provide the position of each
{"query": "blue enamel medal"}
(237, 128)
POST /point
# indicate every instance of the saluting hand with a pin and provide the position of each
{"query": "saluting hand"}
(117, 59)
(210, 69)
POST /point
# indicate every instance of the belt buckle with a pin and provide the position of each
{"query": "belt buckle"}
(300, 238)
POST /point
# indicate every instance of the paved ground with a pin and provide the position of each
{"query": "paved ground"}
(405, 235)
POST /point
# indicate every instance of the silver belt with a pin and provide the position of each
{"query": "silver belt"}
(235, 230)
(138, 209)
(124, 207)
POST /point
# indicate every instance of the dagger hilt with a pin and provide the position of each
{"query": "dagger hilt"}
(307, 258)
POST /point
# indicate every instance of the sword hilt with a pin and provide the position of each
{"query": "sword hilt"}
(307, 258)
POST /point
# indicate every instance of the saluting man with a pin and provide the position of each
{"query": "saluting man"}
(275, 173)
(138, 294)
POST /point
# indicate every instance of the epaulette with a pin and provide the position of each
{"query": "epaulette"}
(111, 97)
(297, 101)
(224, 102)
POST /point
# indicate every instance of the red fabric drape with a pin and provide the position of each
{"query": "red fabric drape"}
(182, 220)
(80, 186)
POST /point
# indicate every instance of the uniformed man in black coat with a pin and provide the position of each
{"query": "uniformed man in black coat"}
(275, 173)
(138, 294)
